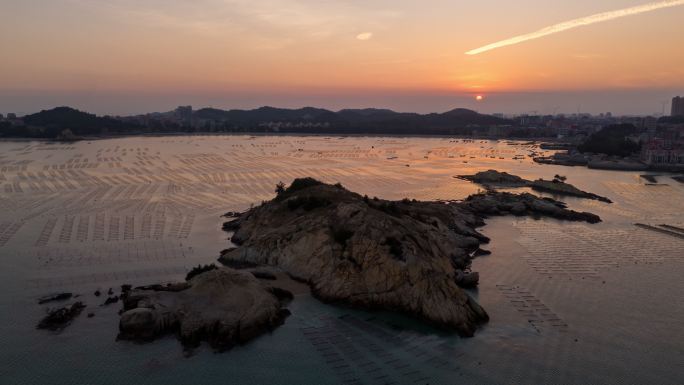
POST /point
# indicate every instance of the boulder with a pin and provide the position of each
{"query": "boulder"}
(221, 306)
(59, 318)
(111, 300)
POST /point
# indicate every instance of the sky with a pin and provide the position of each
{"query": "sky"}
(134, 56)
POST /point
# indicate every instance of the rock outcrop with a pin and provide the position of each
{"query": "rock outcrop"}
(562, 188)
(59, 318)
(492, 179)
(405, 256)
(494, 203)
(54, 297)
(222, 306)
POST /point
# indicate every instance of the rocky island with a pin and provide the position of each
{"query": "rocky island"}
(492, 179)
(405, 256)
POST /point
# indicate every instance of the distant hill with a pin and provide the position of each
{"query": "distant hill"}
(348, 121)
(249, 118)
(50, 123)
(57, 122)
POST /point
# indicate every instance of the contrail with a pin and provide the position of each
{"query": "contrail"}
(587, 20)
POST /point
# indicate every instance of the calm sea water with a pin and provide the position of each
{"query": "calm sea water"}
(569, 302)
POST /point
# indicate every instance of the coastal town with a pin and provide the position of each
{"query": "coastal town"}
(598, 141)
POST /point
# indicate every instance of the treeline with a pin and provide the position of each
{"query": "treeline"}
(611, 140)
(55, 122)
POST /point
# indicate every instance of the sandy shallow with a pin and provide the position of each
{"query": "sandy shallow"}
(569, 303)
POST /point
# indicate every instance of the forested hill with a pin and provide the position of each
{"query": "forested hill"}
(69, 122)
(58, 121)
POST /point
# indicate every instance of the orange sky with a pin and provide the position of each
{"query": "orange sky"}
(307, 47)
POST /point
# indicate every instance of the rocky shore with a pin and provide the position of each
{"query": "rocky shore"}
(405, 256)
(605, 162)
(493, 179)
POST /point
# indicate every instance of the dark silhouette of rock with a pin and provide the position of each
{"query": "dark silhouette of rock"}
(495, 203)
(172, 287)
(54, 297)
(492, 179)
(467, 279)
(59, 318)
(480, 252)
(199, 269)
(229, 226)
(562, 188)
(222, 306)
(650, 178)
(264, 275)
(111, 300)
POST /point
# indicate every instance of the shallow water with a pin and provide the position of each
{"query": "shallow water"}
(569, 302)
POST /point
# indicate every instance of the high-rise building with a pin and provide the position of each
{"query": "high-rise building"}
(184, 114)
(677, 106)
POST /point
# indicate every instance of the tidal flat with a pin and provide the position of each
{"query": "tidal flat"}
(568, 302)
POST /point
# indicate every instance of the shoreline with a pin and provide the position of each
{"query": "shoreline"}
(535, 140)
(613, 166)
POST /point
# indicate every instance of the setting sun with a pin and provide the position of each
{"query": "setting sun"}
(479, 98)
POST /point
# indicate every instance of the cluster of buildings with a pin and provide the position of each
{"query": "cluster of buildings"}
(663, 152)
(677, 106)
(9, 117)
(664, 145)
(181, 117)
(662, 140)
(10, 122)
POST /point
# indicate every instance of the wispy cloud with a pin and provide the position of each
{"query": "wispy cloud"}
(583, 21)
(364, 36)
(298, 19)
